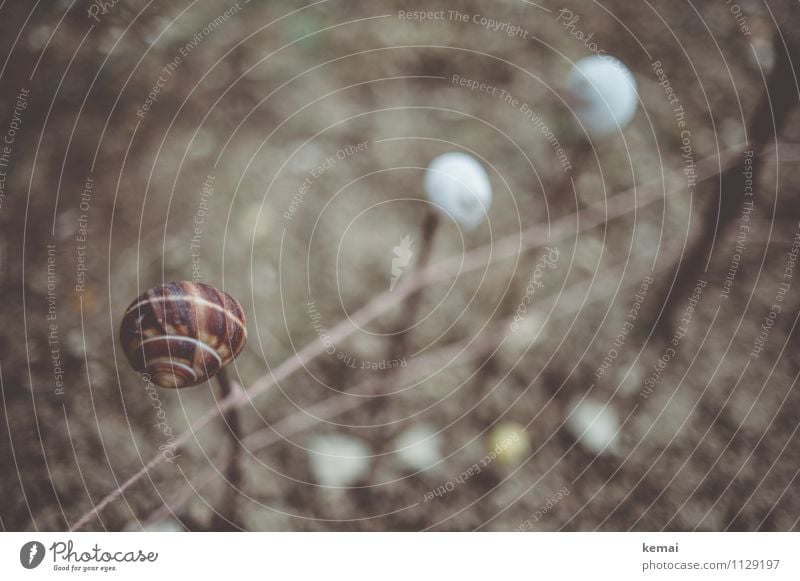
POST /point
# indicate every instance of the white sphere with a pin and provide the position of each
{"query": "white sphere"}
(457, 183)
(603, 94)
(338, 460)
(594, 426)
(419, 448)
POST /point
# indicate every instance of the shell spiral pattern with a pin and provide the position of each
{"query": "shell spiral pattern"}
(182, 333)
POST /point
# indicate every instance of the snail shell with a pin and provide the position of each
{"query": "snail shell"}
(182, 333)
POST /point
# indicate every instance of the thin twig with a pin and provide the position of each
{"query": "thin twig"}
(227, 517)
(398, 345)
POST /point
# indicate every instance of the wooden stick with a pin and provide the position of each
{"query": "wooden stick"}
(399, 343)
(227, 517)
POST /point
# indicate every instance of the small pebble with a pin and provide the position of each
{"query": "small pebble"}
(510, 442)
(594, 425)
(338, 460)
(419, 447)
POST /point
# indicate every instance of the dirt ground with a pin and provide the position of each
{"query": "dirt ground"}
(278, 151)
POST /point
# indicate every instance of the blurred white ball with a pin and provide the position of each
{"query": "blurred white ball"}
(458, 184)
(419, 447)
(594, 425)
(603, 94)
(338, 460)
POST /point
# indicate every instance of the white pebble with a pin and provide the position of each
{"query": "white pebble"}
(419, 447)
(457, 183)
(594, 425)
(338, 460)
(603, 94)
(307, 156)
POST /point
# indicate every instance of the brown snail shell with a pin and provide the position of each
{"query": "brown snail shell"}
(182, 333)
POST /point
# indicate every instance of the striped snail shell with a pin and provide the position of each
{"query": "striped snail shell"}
(182, 333)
